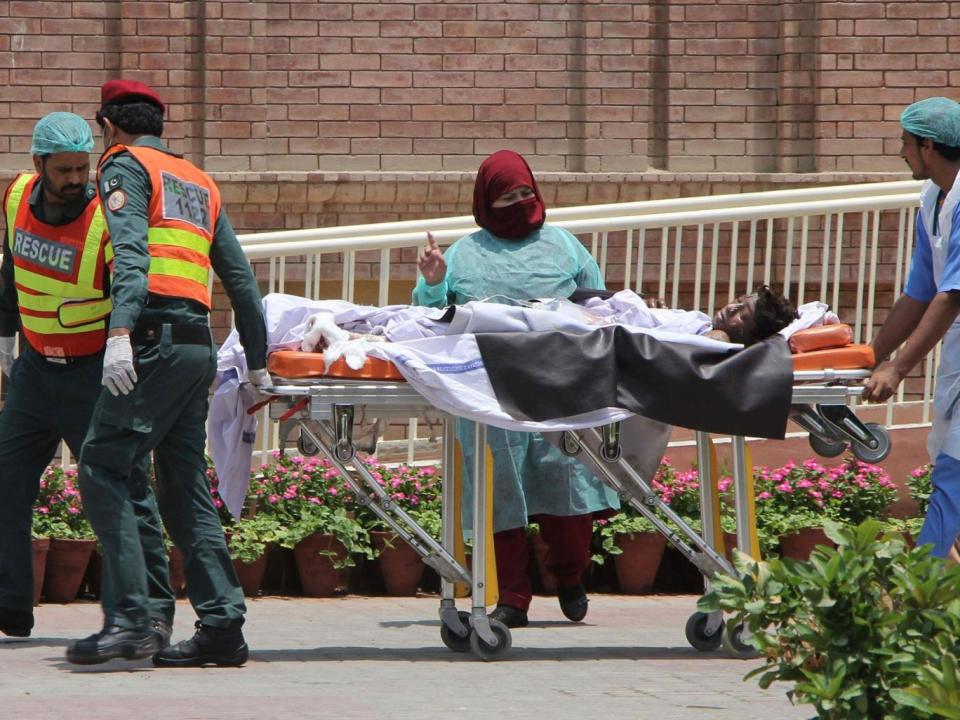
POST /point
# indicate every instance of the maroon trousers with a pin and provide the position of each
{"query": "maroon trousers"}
(568, 541)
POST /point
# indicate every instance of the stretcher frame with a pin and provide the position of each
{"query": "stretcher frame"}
(323, 409)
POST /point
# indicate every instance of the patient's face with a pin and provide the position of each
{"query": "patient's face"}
(737, 319)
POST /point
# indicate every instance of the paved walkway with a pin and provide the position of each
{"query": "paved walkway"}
(372, 658)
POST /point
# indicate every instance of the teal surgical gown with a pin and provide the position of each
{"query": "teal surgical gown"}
(531, 476)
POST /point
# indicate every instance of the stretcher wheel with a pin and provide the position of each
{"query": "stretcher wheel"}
(344, 451)
(306, 446)
(827, 448)
(569, 445)
(608, 455)
(696, 632)
(869, 455)
(492, 652)
(734, 643)
(457, 643)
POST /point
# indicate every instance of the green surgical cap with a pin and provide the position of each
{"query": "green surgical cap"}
(937, 118)
(61, 132)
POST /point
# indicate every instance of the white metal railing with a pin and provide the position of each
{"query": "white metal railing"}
(836, 244)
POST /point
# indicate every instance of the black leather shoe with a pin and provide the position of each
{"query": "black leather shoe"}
(510, 616)
(573, 602)
(163, 630)
(15, 623)
(112, 642)
(209, 646)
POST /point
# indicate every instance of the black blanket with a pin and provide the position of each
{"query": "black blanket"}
(545, 375)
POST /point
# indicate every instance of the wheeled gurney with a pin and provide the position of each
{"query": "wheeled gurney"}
(324, 407)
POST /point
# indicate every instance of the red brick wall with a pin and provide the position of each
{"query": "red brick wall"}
(590, 86)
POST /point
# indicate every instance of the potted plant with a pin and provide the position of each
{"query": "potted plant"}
(635, 546)
(308, 498)
(863, 630)
(417, 492)
(248, 540)
(794, 501)
(58, 515)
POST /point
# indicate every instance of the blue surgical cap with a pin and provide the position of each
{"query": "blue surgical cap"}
(61, 132)
(937, 118)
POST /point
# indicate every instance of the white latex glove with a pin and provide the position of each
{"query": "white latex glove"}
(119, 377)
(259, 378)
(6, 354)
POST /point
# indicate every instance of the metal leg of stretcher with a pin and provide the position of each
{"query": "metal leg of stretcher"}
(455, 626)
(460, 631)
(432, 552)
(634, 490)
(704, 630)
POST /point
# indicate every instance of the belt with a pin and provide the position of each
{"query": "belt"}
(71, 360)
(179, 334)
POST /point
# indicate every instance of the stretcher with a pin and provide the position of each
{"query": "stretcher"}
(323, 405)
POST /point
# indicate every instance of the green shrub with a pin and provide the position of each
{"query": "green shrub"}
(862, 631)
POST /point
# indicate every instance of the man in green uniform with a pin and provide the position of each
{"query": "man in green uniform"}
(54, 263)
(167, 230)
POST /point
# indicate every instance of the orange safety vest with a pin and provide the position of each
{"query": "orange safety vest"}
(58, 270)
(181, 217)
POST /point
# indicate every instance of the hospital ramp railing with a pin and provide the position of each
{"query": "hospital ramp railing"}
(848, 246)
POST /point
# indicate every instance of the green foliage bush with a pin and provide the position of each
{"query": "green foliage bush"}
(864, 631)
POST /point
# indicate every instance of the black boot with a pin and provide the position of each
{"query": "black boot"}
(15, 623)
(573, 602)
(112, 642)
(209, 646)
(510, 616)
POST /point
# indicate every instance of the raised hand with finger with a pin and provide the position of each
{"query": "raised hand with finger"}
(431, 263)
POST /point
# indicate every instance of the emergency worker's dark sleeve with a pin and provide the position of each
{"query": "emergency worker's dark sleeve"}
(9, 308)
(128, 233)
(234, 271)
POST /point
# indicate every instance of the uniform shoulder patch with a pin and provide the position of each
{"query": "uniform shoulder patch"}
(112, 184)
(116, 200)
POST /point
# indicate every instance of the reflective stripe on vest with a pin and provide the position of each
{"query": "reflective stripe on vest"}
(183, 208)
(58, 272)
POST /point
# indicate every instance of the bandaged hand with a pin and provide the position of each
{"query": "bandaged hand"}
(119, 376)
(7, 354)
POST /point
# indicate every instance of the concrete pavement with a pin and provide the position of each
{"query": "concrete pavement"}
(373, 658)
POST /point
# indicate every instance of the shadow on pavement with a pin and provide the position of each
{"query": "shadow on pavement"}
(441, 654)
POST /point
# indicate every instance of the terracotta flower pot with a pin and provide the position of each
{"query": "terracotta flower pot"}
(317, 574)
(178, 580)
(251, 575)
(400, 564)
(66, 565)
(637, 564)
(540, 551)
(800, 544)
(41, 546)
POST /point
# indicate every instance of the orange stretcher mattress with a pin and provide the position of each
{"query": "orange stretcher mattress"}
(293, 364)
(851, 357)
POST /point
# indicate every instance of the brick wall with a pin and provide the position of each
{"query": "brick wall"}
(589, 86)
(314, 112)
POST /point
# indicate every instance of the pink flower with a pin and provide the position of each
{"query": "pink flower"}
(764, 495)
(273, 499)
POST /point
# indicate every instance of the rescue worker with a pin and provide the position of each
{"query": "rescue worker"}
(927, 310)
(168, 229)
(514, 256)
(54, 287)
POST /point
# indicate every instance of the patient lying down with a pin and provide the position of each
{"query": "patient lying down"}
(749, 319)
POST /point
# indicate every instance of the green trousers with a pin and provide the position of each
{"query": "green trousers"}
(47, 402)
(165, 413)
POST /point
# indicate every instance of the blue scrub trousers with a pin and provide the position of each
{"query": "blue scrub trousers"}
(942, 524)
